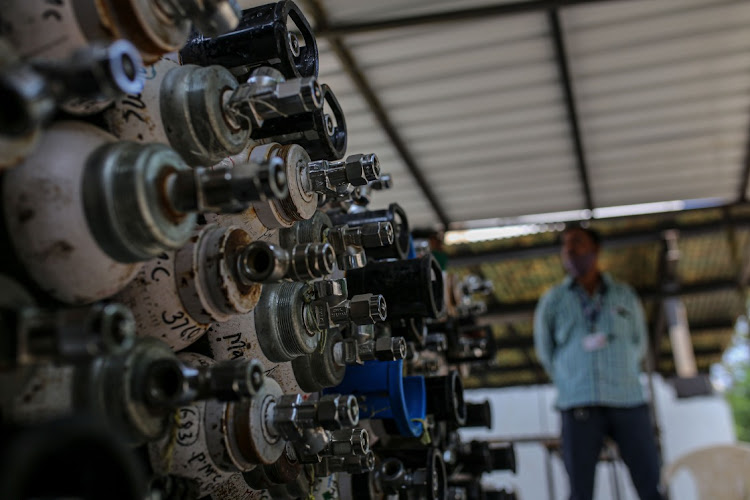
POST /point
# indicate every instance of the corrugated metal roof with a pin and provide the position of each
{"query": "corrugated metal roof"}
(662, 90)
(663, 93)
(453, 91)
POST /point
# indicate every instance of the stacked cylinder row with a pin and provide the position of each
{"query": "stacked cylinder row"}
(197, 296)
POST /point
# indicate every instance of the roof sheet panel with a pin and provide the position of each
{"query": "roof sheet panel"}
(669, 148)
(361, 10)
(696, 110)
(524, 202)
(614, 13)
(670, 75)
(473, 105)
(434, 83)
(512, 172)
(654, 54)
(677, 21)
(415, 41)
(663, 93)
(469, 153)
(509, 127)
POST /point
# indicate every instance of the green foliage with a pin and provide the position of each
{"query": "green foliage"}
(739, 399)
(733, 375)
(735, 368)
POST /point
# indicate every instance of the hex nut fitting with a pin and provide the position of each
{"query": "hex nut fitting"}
(371, 167)
(390, 348)
(367, 309)
(311, 93)
(348, 442)
(336, 411)
(354, 167)
(378, 234)
(240, 378)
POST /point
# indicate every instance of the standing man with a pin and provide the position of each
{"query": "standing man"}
(590, 335)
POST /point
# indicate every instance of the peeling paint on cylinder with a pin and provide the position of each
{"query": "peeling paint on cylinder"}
(184, 451)
(174, 296)
(156, 305)
(246, 220)
(235, 488)
(47, 224)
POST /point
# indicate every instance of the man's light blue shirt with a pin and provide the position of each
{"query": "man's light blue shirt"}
(608, 376)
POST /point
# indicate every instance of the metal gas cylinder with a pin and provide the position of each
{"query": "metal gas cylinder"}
(261, 218)
(423, 474)
(178, 296)
(204, 112)
(51, 397)
(306, 182)
(184, 450)
(111, 388)
(302, 201)
(82, 224)
(185, 107)
(304, 485)
(237, 338)
(54, 29)
(209, 440)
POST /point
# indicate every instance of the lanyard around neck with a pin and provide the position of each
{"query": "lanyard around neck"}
(591, 306)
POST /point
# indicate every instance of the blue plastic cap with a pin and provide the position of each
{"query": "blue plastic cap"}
(383, 392)
(412, 254)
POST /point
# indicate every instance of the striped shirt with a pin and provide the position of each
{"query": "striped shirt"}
(608, 376)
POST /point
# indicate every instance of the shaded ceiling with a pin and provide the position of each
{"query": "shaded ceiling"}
(712, 279)
(485, 109)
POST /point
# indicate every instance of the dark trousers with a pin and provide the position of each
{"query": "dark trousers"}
(583, 433)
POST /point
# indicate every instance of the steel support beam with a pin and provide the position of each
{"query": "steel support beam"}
(696, 329)
(745, 176)
(449, 17)
(617, 240)
(500, 312)
(563, 69)
(353, 70)
(702, 352)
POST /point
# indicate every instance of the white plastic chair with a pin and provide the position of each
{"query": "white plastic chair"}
(719, 472)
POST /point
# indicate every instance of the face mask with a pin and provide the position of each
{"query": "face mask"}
(578, 265)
